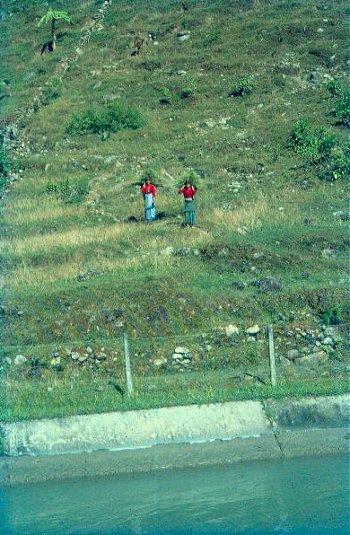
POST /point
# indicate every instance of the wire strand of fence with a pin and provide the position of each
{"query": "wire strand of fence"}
(133, 336)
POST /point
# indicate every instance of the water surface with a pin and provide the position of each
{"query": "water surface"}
(294, 496)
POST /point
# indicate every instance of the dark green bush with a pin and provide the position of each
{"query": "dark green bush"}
(342, 108)
(312, 142)
(4, 162)
(335, 88)
(242, 86)
(114, 118)
(189, 89)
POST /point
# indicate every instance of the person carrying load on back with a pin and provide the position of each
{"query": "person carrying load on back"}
(189, 192)
(149, 192)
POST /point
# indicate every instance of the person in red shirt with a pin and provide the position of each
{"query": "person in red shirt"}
(149, 192)
(189, 192)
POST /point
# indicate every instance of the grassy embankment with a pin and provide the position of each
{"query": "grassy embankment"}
(78, 273)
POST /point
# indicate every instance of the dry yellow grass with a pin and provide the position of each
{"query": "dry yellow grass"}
(253, 216)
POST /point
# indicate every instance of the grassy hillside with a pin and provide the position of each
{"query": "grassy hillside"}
(80, 267)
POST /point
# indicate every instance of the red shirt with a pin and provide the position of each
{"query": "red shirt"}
(149, 189)
(188, 193)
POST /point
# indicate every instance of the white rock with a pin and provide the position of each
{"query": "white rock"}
(182, 350)
(19, 360)
(230, 330)
(74, 355)
(159, 362)
(255, 329)
(328, 341)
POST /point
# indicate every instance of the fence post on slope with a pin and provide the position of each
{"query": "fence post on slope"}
(129, 385)
(272, 356)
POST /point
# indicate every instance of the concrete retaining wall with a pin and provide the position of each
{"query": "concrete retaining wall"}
(173, 425)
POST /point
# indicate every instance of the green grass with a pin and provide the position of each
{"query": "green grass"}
(68, 216)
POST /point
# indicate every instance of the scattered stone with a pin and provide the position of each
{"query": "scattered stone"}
(268, 284)
(328, 341)
(168, 251)
(181, 73)
(254, 330)
(20, 360)
(239, 285)
(182, 350)
(292, 354)
(183, 36)
(317, 356)
(343, 215)
(101, 355)
(158, 362)
(328, 253)
(231, 330)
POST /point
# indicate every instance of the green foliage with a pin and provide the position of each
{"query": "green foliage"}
(68, 192)
(167, 97)
(335, 88)
(312, 142)
(242, 87)
(339, 165)
(4, 162)
(191, 177)
(211, 37)
(148, 173)
(53, 14)
(342, 108)
(189, 89)
(330, 315)
(114, 118)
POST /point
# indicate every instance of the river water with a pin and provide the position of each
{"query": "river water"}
(284, 496)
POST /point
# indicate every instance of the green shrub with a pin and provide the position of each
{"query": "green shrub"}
(188, 90)
(4, 162)
(114, 118)
(243, 86)
(167, 97)
(338, 166)
(148, 173)
(211, 37)
(342, 108)
(335, 88)
(312, 142)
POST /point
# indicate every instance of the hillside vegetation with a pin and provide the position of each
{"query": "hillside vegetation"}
(251, 96)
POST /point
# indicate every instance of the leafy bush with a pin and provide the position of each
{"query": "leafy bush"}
(321, 149)
(334, 87)
(243, 86)
(312, 142)
(338, 166)
(167, 97)
(114, 118)
(342, 108)
(189, 90)
(68, 192)
(4, 162)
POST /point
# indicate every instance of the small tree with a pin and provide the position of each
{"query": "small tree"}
(52, 16)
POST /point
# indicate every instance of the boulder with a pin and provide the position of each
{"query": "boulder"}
(231, 330)
(313, 358)
(268, 284)
(254, 330)
(20, 360)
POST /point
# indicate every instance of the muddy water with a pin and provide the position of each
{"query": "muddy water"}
(291, 496)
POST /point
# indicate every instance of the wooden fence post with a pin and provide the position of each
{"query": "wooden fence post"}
(272, 357)
(129, 385)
